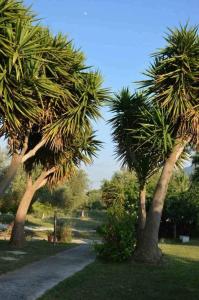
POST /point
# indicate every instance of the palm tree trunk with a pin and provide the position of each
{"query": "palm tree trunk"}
(16, 161)
(141, 212)
(10, 173)
(18, 235)
(148, 250)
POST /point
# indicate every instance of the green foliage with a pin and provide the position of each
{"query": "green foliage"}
(42, 209)
(172, 81)
(10, 200)
(64, 232)
(69, 196)
(118, 235)
(121, 189)
(134, 152)
(6, 218)
(95, 199)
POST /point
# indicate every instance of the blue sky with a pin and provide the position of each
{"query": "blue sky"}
(117, 37)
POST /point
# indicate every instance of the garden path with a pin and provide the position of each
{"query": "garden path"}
(33, 280)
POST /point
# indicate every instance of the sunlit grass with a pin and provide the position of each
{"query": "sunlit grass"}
(177, 278)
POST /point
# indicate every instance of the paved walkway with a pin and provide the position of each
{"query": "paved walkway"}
(31, 281)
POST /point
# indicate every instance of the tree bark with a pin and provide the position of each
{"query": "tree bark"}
(141, 213)
(18, 235)
(148, 250)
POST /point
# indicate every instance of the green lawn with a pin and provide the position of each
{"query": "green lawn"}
(35, 250)
(177, 278)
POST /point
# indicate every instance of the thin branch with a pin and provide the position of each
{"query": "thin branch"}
(43, 177)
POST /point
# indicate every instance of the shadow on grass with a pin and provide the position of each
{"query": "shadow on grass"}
(178, 278)
(34, 250)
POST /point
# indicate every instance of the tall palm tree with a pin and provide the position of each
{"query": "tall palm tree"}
(172, 86)
(129, 113)
(21, 86)
(56, 81)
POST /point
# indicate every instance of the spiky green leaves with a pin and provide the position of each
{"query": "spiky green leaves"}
(173, 80)
(131, 134)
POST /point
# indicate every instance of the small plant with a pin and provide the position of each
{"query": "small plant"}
(118, 235)
(64, 232)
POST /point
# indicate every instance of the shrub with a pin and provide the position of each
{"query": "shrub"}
(39, 209)
(6, 218)
(64, 232)
(118, 235)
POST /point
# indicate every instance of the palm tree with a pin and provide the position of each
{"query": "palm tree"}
(21, 85)
(129, 113)
(55, 80)
(173, 87)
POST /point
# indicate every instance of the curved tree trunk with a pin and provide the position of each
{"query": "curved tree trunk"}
(141, 212)
(16, 161)
(18, 235)
(10, 173)
(148, 250)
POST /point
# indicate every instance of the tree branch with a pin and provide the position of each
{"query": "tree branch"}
(42, 179)
(33, 151)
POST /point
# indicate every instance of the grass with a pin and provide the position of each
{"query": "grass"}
(31, 220)
(176, 278)
(39, 249)
(35, 250)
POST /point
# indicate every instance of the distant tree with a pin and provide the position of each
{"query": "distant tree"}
(121, 189)
(71, 194)
(95, 199)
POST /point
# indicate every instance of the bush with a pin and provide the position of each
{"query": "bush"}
(64, 232)
(118, 235)
(42, 209)
(6, 218)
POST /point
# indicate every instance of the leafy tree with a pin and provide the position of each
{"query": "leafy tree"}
(172, 86)
(141, 158)
(122, 190)
(70, 194)
(95, 199)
